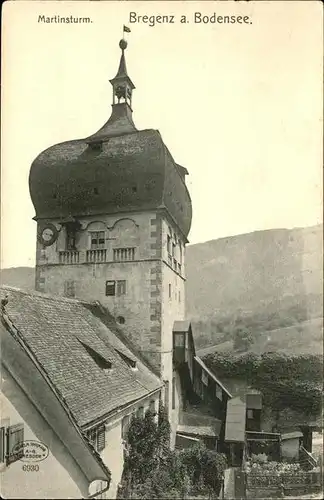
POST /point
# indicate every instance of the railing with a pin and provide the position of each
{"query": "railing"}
(306, 458)
(124, 254)
(94, 256)
(69, 257)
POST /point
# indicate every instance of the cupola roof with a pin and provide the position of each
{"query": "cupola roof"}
(116, 169)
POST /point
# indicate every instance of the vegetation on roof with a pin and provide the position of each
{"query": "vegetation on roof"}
(284, 381)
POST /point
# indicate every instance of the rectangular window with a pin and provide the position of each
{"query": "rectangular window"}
(69, 288)
(173, 393)
(173, 249)
(125, 426)
(179, 296)
(249, 413)
(121, 287)
(15, 437)
(179, 339)
(124, 254)
(140, 412)
(219, 392)
(70, 239)
(169, 243)
(2, 444)
(152, 406)
(204, 378)
(170, 291)
(97, 240)
(110, 287)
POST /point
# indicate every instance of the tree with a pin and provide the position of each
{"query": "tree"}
(242, 339)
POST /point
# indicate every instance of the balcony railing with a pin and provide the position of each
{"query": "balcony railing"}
(69, 257)
(95, 256)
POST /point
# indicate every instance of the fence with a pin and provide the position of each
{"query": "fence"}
(262, 485)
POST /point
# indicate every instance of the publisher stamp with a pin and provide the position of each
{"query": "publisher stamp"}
(31, 451)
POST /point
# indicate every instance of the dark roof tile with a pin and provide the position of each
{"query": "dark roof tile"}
(55, 328)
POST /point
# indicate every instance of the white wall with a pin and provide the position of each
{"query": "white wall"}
(58, 476)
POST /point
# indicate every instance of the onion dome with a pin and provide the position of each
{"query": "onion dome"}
(117, 169)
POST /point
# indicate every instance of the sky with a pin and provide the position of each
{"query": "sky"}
(239, 105)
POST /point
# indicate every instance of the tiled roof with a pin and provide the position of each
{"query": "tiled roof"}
(132, 171)
(57, 330)
(235, 420)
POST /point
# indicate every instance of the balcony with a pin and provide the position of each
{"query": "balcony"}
(95, 256)
(69, 257)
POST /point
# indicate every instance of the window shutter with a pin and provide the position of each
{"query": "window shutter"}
(110, 287)
(2, 444)
(15, 436)
(101, 438)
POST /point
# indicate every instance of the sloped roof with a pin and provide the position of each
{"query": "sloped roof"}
(197, 430)
(181, 326)
(235, 420)
(291, 435)
(212, 375)
(56, 330)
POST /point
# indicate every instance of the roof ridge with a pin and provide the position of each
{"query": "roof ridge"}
(36, 293)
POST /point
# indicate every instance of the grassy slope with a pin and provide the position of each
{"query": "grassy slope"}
(303, 338)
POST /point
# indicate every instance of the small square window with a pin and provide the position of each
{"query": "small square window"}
(179, 339)
(110, 288)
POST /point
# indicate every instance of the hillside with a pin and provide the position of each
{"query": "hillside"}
(253, 271)
(268, 281)
(303, 338)
(19, 277)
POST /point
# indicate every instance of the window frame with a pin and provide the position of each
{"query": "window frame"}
(182, 337)
(111, 283)
(249, 414)
(121, 288)
(97, 245)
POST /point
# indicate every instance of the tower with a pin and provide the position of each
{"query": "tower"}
(113, 214)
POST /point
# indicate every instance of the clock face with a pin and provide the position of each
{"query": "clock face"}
(48, 234)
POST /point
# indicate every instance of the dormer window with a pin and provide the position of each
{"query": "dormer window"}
(95, 146)
(100, 361)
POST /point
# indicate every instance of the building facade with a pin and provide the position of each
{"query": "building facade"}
(113, 214)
